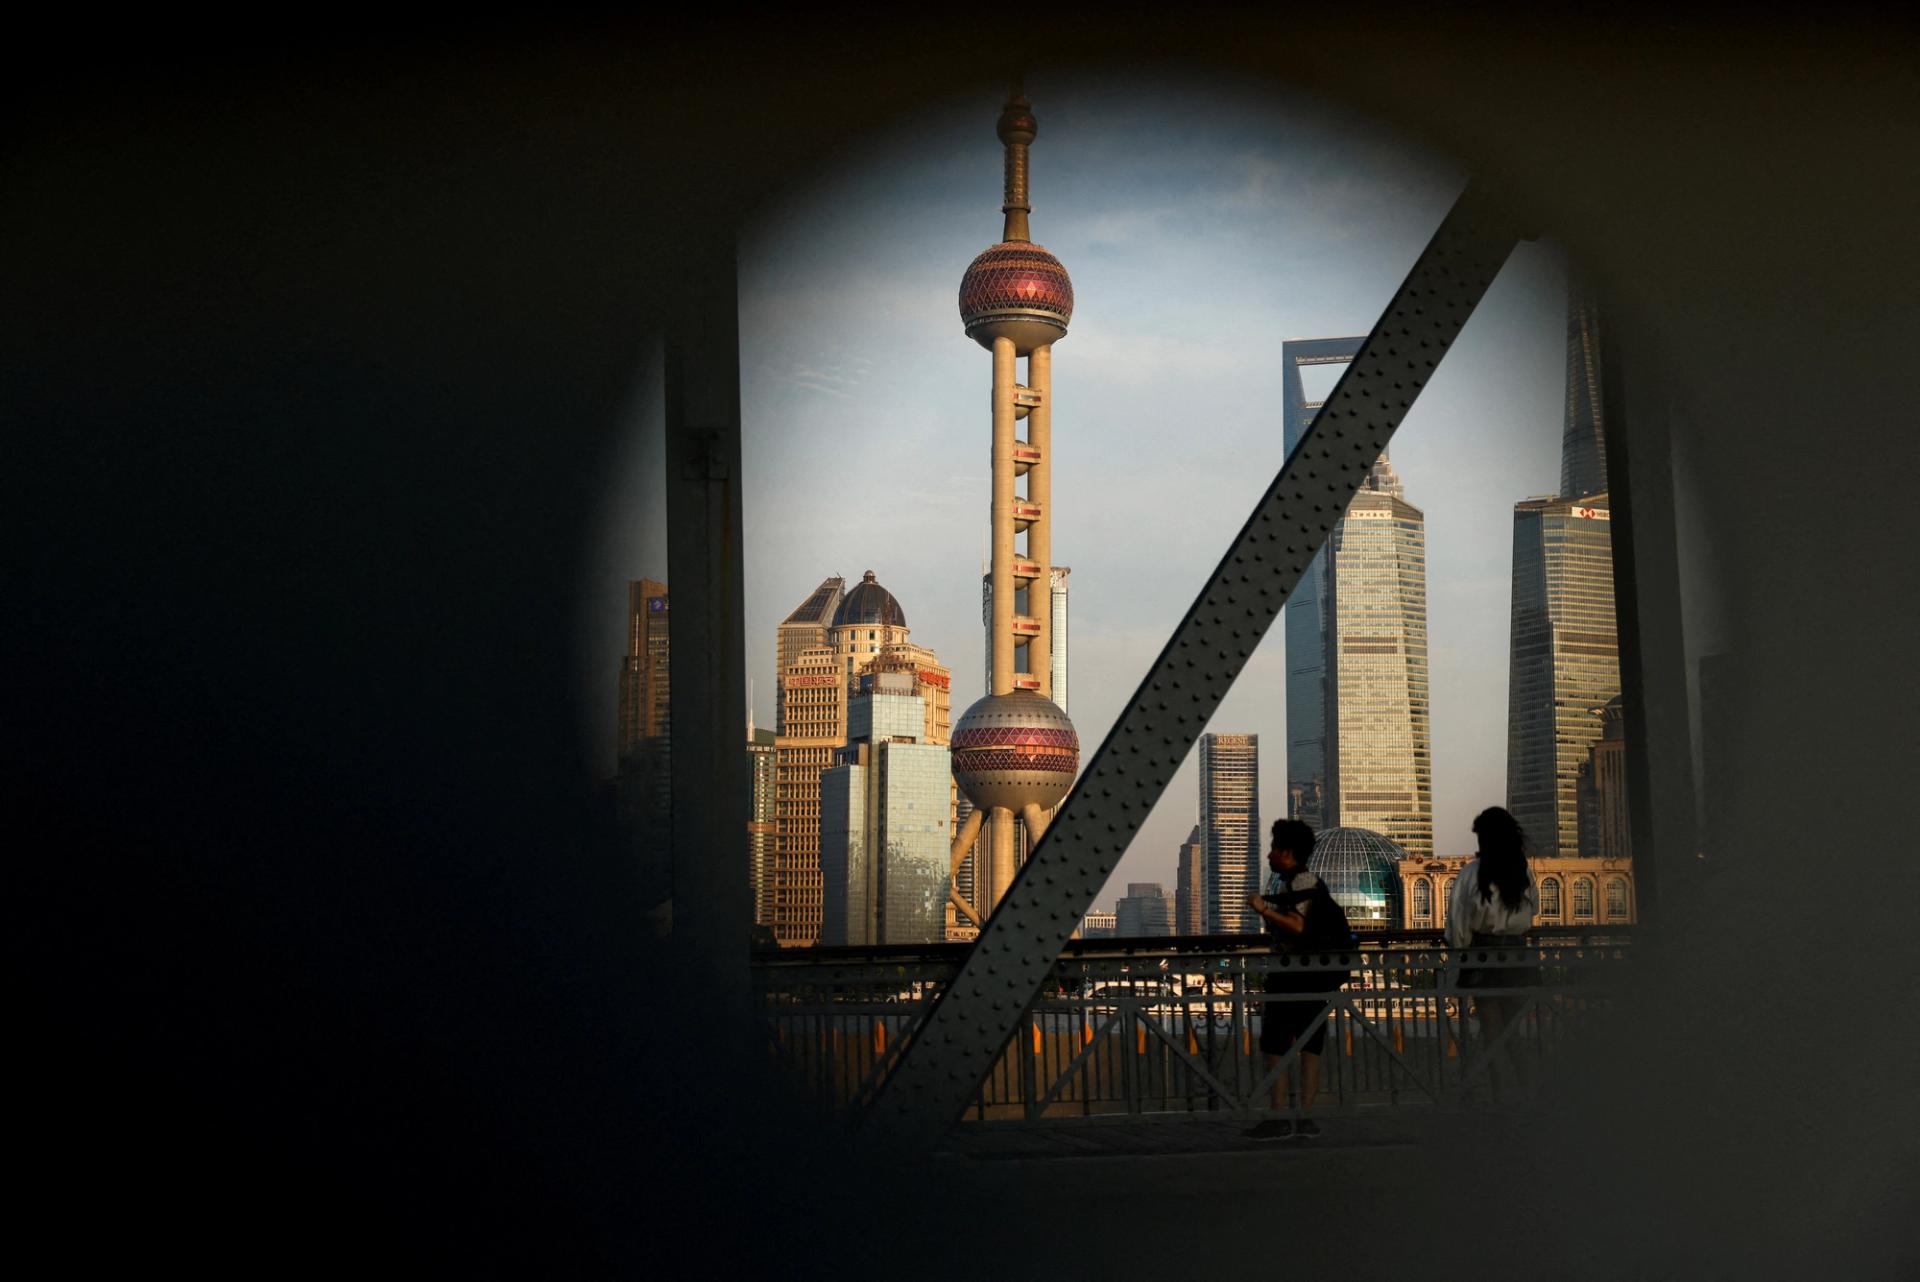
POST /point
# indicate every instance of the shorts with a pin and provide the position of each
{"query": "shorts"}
(1281, 1023)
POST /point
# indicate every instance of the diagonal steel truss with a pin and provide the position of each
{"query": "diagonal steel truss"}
(973, 1018)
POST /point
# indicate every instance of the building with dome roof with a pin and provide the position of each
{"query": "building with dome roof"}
(868, 619)
(1361, 870)
(856, 635)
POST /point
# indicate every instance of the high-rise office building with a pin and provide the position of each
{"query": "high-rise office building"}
(1097, 924)
(801, 630)
(1583, 432)
(1310, 719)
(1144, 912)
(1359, 732)
(1015, 752)
(1564, 661)
(1602, 789)
(762, 828)
(645, 709)
(643, 779)
(1381, 764)
(885, 822)
(1564, 652)
(866, 635)
(1230, 830)
(1189, 887)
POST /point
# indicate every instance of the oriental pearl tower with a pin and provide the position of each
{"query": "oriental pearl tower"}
(1015, 752)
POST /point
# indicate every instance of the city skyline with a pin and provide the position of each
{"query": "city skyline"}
(1141, 522)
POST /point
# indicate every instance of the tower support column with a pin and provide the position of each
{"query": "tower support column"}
(1002, 515)
(1040, 533)
(1005, 860)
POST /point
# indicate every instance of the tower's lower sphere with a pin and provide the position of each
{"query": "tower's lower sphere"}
(1016, 290)
(1012, 750)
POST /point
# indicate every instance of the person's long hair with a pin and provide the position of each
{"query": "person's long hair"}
(1503, 857)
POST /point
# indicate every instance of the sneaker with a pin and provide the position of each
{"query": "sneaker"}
(1307, 1129)
(1271, 1129)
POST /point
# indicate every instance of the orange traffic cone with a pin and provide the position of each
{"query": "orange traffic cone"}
(1036, 1039)
(1086, 1030)
(1193, 1045)
(879, 1038)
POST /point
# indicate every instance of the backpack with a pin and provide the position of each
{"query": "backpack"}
(1328, 930)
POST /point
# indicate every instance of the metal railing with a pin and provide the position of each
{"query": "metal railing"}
(1170, 1027)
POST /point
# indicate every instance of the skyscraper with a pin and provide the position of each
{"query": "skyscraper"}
(1144, 912)
(762, 828)
(1189, 887)
(1310, 714)
(1583, 432)
(801, 630)
(643, 779)
(645, 709)
(1230, 830)
(1359, 733)
(885, 822)
(867, 628)
(1564, 652)
(1380, 774)
(1015, 751)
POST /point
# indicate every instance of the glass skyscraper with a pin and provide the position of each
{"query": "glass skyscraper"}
(1359, 735)
(1564, 656)
(1230, 830)
(1309, 696)
(1564, 661)
(885, 824)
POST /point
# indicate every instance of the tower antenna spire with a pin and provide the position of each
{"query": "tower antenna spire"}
(1017, 129)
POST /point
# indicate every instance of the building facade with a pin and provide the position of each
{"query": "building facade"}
(1564, 655)
(646, 710)
(886, 822)
(762, 828)
(865, 639)
(1144, 912)
(1380, 758)
(1602, 788)
(1563, 662)
(1230, 830)
(1189, 888)
(1097, 924)
(803, 629)
(1306, 622)
(1573, 890)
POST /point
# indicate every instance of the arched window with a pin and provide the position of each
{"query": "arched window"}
(1583, 899)
(1422, 899)
(1446, 890)
(1616, 899)
(1550, 899)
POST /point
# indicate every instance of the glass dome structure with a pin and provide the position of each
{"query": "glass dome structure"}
(1360, 868)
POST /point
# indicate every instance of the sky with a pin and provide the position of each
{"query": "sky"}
(1202, 224)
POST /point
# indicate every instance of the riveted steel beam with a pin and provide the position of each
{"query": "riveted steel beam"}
(971, 1021)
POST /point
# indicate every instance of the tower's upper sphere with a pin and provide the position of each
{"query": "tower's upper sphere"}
(1010, 750)
(1016, 124)
(1016, 290)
